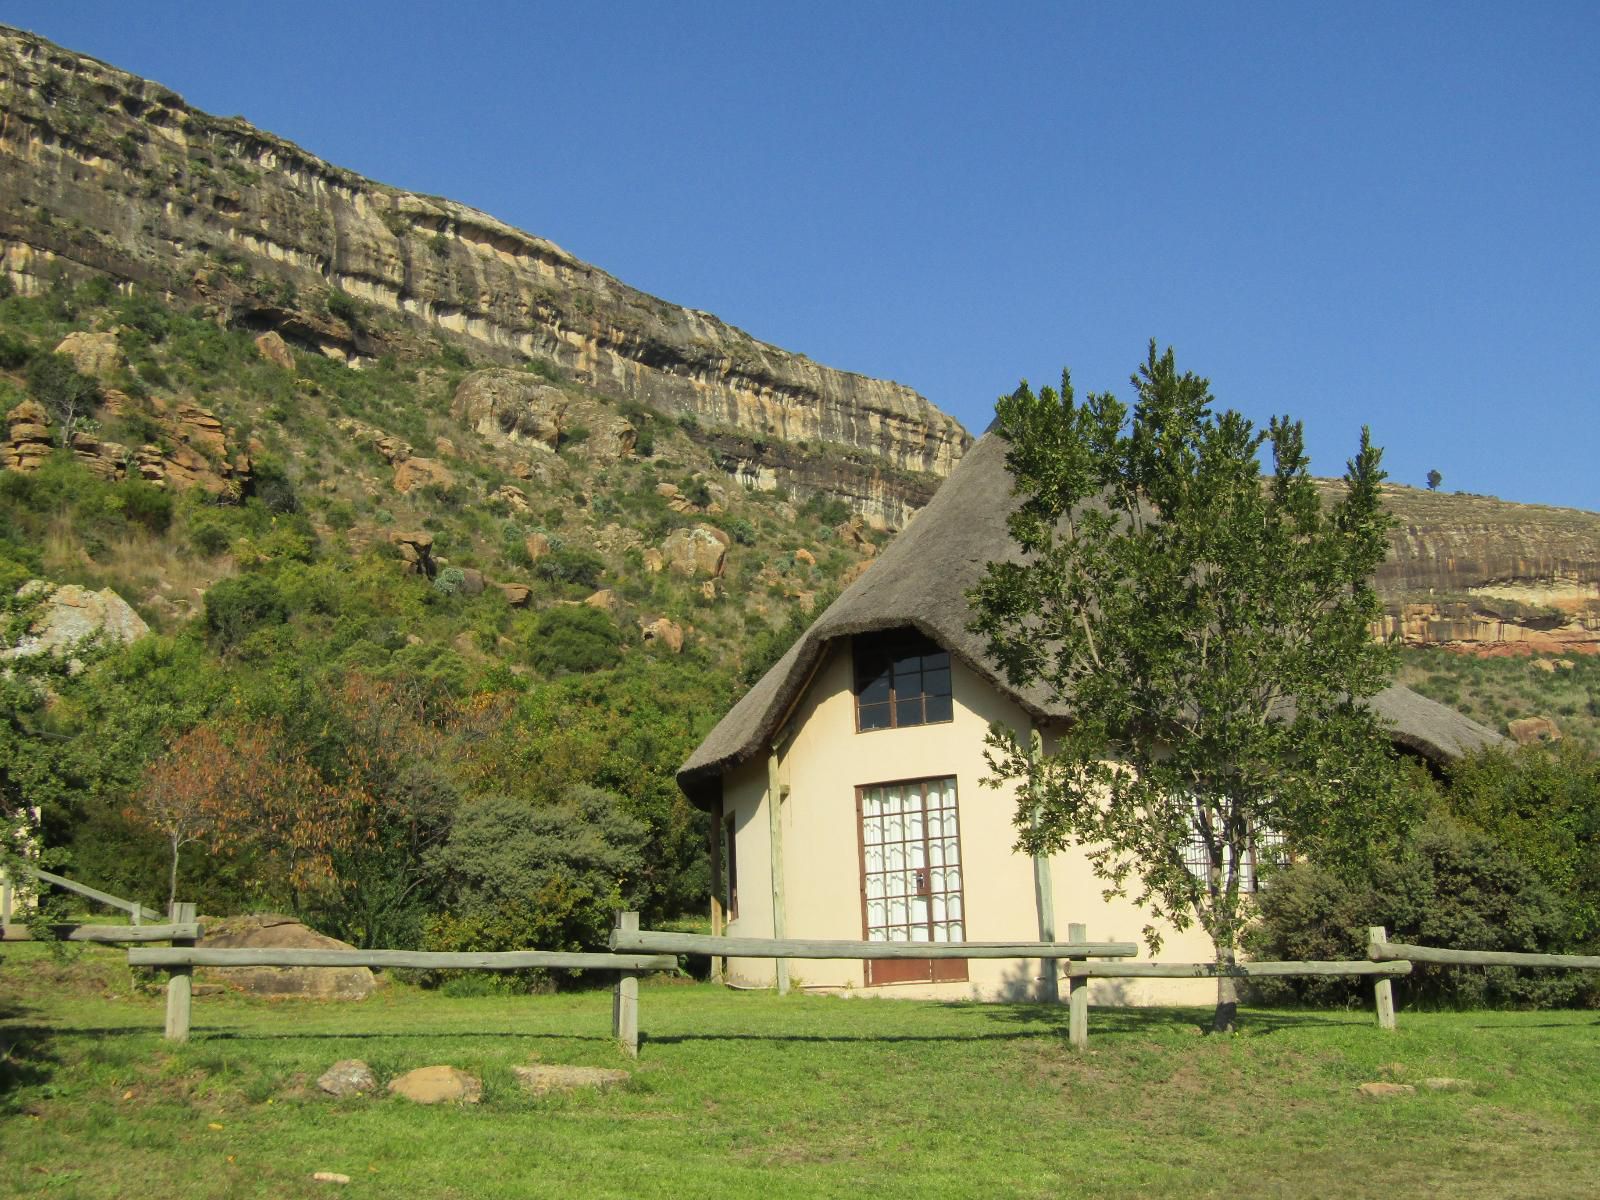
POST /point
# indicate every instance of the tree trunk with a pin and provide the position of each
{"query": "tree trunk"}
(1227, 1015)
(172, 876)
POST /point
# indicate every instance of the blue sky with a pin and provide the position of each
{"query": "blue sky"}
(1357, 213)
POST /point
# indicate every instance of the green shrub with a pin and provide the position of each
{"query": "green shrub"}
(571, 565)
(574, 638)
(526, 876)
(236, 607)
(1452, 887)
(15, 351)
(147, 506)
(271, 485)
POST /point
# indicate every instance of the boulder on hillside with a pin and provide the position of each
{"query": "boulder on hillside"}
(416, 549)
(414, 473)
(69, 614)
(96, 355)
(282, 933)
(662, 632)
(1527, 730)
(511, 407)
(275, 350)
(702, 550)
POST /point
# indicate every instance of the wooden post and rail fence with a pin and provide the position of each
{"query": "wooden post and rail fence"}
(634, 951)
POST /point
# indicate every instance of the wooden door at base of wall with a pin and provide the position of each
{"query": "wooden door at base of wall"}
(911, 877)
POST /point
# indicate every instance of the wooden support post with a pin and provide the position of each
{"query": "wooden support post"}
(1078, 997)
(719, 914)
(1044, 894)
(1383, 990)
(775, 838)
(625, 997)
(180, 980)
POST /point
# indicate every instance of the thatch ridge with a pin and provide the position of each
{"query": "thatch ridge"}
(921, 580)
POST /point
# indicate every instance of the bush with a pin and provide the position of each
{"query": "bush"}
(523, 876)
(15, 352)
(571, 565)
(236, 607)
(270, 484)
(1453, 887)
(147, 505)
(574, 638)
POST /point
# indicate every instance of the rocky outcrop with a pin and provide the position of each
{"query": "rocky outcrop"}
(437, 1085)
(96, 355)
(28, 438)
(111, 174)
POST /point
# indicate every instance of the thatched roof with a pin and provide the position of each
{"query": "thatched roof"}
(921, 580)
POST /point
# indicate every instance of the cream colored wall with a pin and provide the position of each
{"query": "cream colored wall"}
(826, 760)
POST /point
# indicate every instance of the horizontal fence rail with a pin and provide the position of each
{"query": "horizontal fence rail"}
(736, 947)
(1390, 951)
(132, 907)
(1244, 970)
(506, 960)
(110, 934)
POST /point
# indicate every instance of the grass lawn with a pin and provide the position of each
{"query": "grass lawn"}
(746, 1094)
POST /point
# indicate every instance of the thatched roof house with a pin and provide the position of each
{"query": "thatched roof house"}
(814, 728)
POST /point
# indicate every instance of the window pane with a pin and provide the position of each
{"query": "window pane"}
(939, 708)
(936, 683)
(874, 690)
(873, 716)
(908, 712)
(906, 666)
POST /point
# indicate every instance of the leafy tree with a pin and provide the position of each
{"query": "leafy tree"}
(1209, 630)
(1434, 480)
(57, 384)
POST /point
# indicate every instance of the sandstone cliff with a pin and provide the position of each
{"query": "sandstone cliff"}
(1488, 576)
(113, 174)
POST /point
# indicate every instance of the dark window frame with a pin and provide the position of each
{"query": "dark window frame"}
(730, 870)
(899, 680)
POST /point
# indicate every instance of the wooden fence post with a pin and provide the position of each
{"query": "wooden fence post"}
(625, 997)
(180, 980)
(1383, 990)
(1078, 996)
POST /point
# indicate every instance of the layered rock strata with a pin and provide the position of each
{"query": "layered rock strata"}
(112, 174)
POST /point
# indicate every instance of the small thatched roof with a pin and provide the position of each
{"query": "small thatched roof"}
(921, 580)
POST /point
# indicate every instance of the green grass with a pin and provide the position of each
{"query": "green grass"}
(745, 1094)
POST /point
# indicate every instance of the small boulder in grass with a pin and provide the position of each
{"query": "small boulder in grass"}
(437, 1085)
(1444, 1083)
(540, 1079)
(348, 1077)
(329, 1177)
(1386, 1091)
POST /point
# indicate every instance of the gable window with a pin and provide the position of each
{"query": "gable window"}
(901, 679)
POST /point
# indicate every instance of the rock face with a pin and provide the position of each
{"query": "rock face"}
(70, 614)
(1488, 576)
(309, 983)
(111, 174)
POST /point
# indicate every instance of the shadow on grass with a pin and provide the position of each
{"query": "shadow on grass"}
(1120, 1020)
(26, 1055)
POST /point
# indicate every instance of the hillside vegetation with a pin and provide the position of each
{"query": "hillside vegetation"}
(326, 699)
